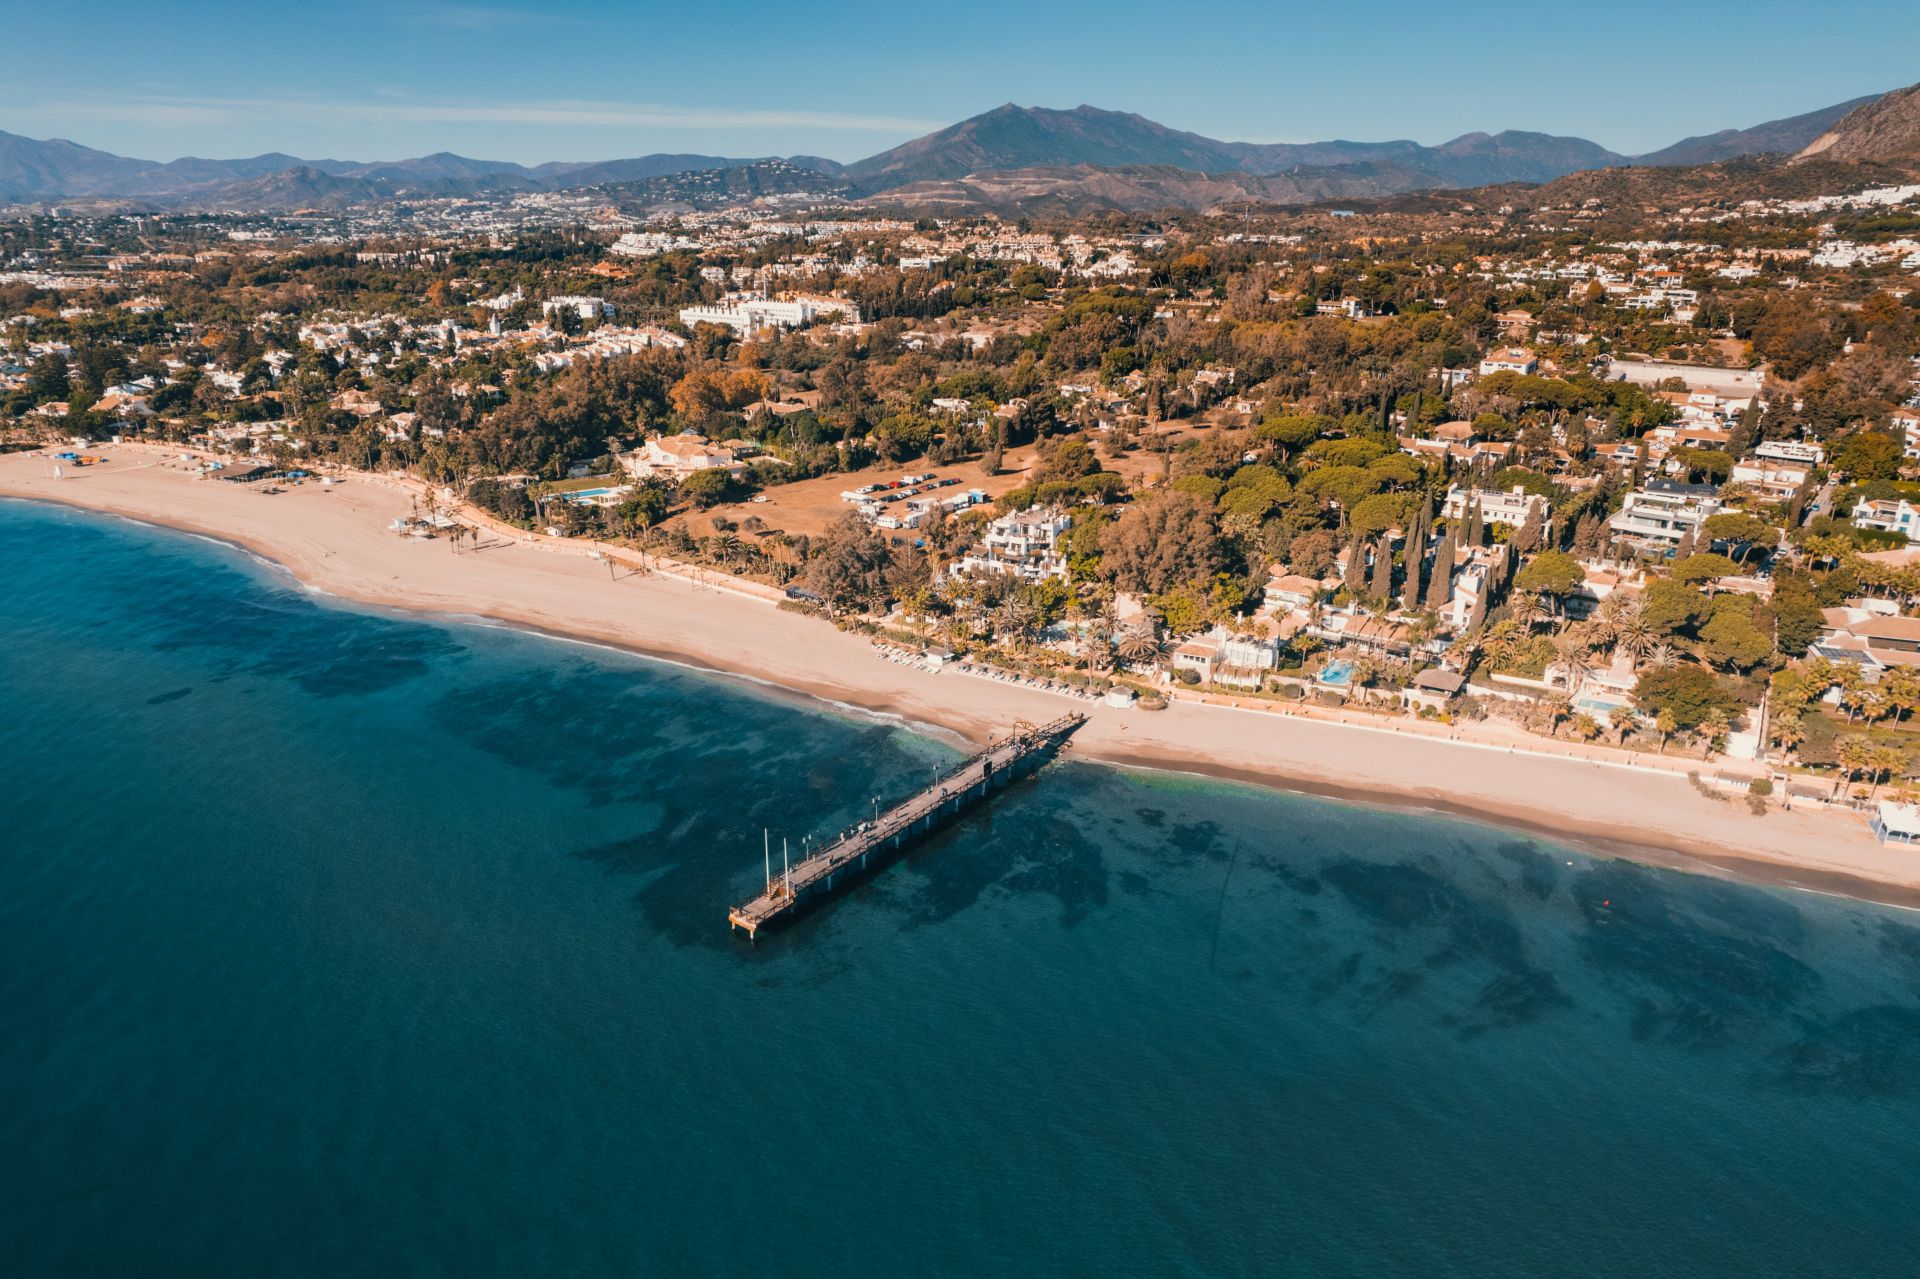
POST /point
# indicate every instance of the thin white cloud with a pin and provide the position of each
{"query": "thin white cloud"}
(204, 112)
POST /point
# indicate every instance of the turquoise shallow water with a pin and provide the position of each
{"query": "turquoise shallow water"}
(339, 943)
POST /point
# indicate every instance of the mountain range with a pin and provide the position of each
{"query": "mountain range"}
(1012, 154)
(57, 170)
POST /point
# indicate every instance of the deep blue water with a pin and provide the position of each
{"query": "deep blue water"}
(340, 943)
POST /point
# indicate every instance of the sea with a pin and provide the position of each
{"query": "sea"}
(343, 942)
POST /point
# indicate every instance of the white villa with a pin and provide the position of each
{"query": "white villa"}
(675, 457)
(1889, 516)
(1024, 543)
(1496, 507)
(1515, 359)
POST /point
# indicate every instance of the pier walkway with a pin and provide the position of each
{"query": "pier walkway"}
(970, 782)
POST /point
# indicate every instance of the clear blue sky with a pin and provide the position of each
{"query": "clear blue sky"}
(357, 80)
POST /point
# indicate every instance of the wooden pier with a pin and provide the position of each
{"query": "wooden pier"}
(968, 783)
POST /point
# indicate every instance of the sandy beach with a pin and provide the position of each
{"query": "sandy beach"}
(337, 539)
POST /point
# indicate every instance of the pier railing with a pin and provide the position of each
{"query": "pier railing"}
(969, 782)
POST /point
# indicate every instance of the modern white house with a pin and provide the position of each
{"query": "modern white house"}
(1888, 516)
(1223, 658)
(1662, 512)
(1802, 451)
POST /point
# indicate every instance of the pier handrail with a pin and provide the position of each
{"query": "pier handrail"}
(782, 892)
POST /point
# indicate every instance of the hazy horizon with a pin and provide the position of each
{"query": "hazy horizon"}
(393, 81)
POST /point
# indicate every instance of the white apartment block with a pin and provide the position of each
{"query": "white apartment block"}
(754, 315)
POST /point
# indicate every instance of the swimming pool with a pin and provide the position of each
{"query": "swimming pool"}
(1339, 674)
(587, 495)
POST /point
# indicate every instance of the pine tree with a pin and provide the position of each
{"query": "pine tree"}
(1383, 571)
(1440, 588)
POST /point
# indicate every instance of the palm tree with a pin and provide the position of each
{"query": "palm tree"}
(1856, 755)
(1847, 679)
(1662, 657)
(1013, 619)
(1886, 761)
(1621, 623)
(1557, 708)
(1902, 687)
(1788, 732)
(1138, 642)
(1665, 723)
(1528, 609)
(1606, 619)
(1571, 657)
(1712, 729)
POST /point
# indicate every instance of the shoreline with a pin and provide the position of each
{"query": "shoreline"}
(342, 549)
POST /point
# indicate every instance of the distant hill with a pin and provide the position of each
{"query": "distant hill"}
(598, 172)
(716, 187)
(1473, 159)
(1040, 144)
(300, 187)
(1013, 137)
(1024, 138)
(1725, 183)
(1785, 137)
(1887, 128)
(1076, 190)
(34, 171)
